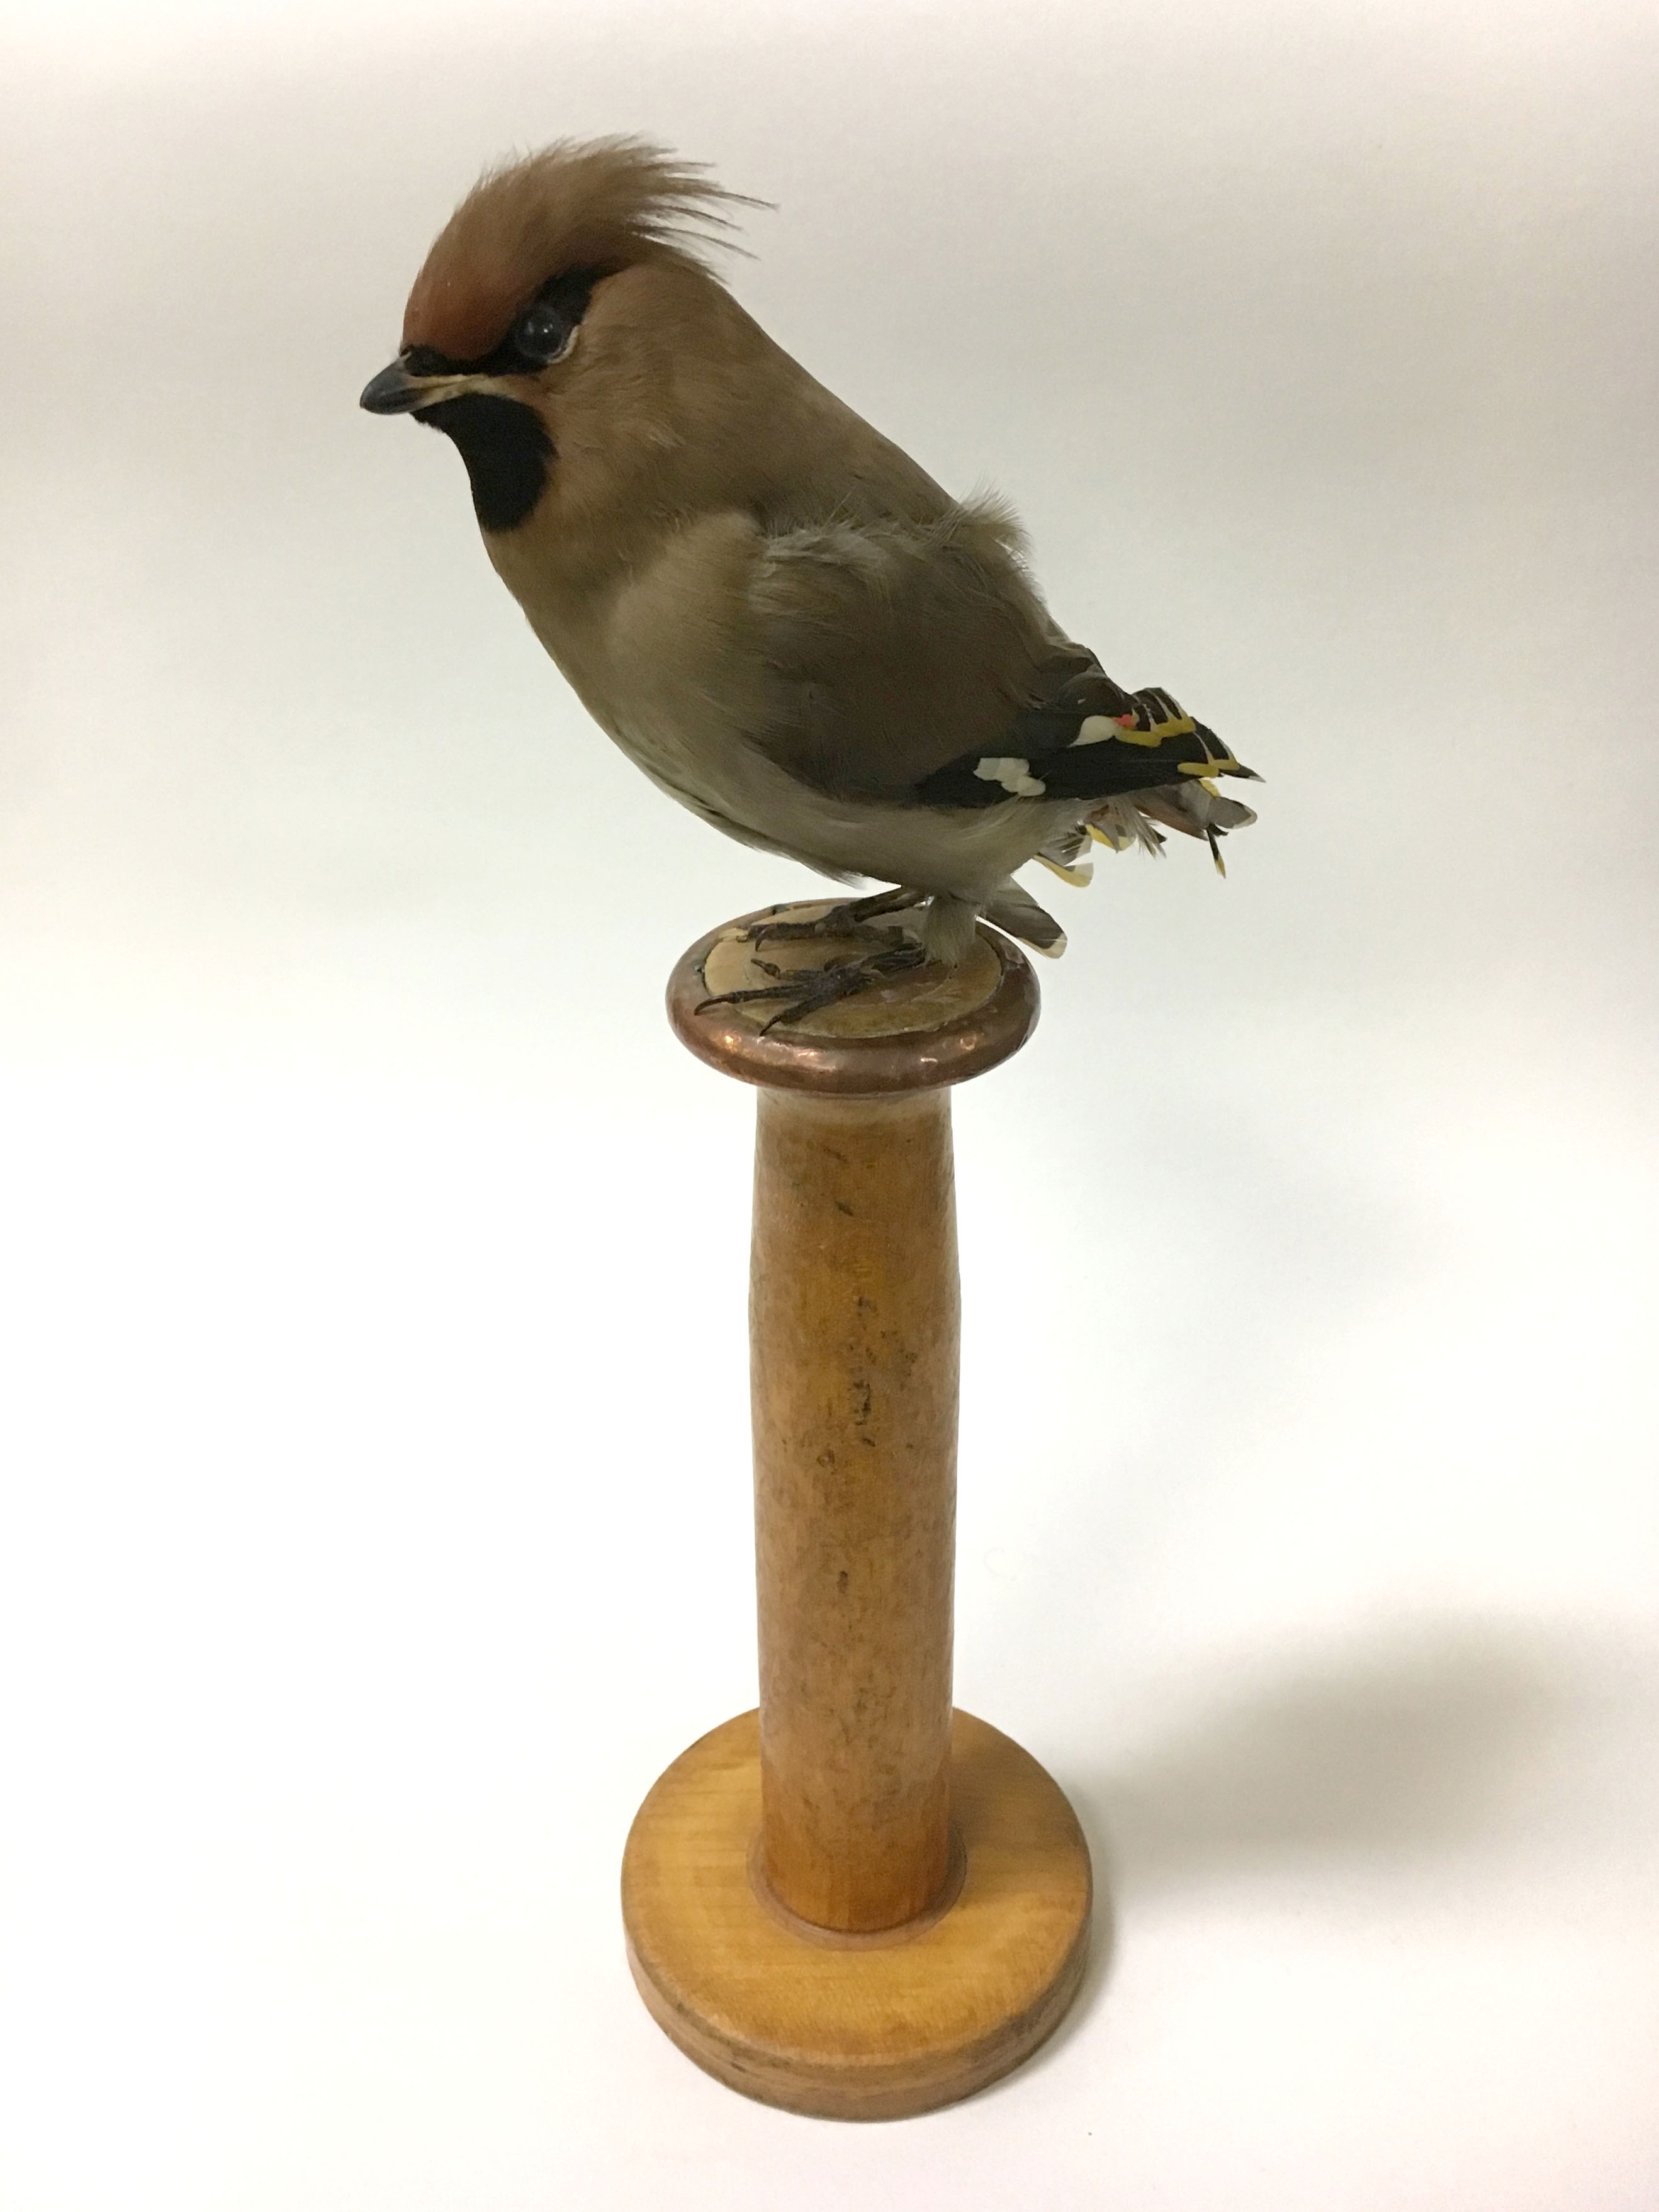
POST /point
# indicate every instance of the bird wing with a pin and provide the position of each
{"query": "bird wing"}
(892, 647)
(915, 662)
(1086, 745)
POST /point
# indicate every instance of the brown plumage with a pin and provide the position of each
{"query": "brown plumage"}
(602, 205)
(780, 618)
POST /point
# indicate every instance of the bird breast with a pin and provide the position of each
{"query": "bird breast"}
(666, 660)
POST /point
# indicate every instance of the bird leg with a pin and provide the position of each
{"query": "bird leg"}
(851, 918)
(807, 989)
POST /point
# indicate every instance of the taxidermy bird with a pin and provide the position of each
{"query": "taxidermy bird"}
(772, 609)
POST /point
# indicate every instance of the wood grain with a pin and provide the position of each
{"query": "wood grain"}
(852, 1903)
(854, 1333)
(876, 2029)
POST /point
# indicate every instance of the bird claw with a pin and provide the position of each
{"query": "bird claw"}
(851, 918)
(811, 988)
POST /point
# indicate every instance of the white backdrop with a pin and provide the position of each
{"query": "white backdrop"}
(376, 1519)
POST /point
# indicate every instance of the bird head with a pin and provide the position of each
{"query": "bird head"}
(555, 316)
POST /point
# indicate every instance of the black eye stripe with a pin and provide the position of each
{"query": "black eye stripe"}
(425, 360)
(567, 296)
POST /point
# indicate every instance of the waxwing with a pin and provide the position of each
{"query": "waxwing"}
(780, 618)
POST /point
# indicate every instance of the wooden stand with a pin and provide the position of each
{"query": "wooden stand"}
(854, 1903)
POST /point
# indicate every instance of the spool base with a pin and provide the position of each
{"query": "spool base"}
(866, 2028)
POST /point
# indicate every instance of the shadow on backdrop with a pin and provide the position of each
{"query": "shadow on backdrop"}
(1396, 1752)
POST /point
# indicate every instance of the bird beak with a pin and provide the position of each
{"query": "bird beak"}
(395, 391)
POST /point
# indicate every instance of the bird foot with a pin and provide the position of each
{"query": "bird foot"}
(807, 989)
(851, 918)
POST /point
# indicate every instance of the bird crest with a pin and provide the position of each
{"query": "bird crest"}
(598, 204)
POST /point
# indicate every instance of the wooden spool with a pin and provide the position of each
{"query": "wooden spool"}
(854, 1902)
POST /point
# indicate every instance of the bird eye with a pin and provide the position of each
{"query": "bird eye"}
(542, 333)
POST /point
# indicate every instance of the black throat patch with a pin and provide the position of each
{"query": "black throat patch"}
(506, 450)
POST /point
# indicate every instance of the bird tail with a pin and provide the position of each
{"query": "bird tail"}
(1126, 819)
(1196, 810)
(1012, 909)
